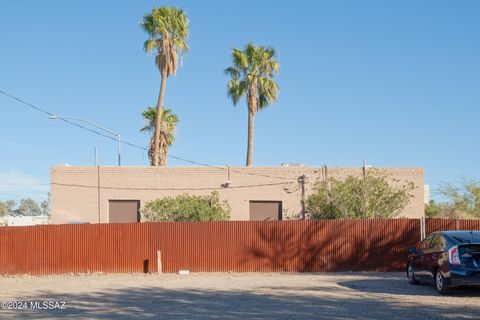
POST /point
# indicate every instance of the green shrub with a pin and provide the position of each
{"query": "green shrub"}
(368, 196)
(433, 209)
(187, 208)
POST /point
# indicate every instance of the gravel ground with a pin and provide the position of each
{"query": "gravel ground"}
(237, 296)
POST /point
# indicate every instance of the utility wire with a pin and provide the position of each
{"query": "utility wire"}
(23, 184)
(21, 196)
(132, 144)
(54, 115)
(168, 189)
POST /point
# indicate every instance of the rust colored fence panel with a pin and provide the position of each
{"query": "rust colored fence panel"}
(432, 225)
(238, 246)
(469, 224)
(58, 249)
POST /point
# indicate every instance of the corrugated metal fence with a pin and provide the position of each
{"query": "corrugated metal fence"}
(238, 246)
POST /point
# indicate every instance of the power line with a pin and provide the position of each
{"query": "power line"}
(23, 184)
(169, 189)
(132, 144)
(21, 196)
(52, 114)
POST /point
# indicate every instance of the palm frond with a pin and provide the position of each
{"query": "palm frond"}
(240, 60)
(167, 28)
(233, 72)
(168, 124)
(268, 92)
(251, 73)
(149, 45)
(236, 89)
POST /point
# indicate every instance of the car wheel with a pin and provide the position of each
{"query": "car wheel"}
(411, 274)
(440, 283)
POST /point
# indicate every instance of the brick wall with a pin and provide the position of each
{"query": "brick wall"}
(76, 196)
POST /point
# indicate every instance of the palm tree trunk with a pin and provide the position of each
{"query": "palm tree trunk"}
(158, 123)
(163, 152)
(251, 116)
(151, 150)
(164, 155)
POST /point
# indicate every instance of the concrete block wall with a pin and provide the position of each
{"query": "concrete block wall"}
(77, 197)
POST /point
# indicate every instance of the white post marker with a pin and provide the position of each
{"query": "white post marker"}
(159, 261)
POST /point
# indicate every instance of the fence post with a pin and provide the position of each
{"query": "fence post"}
(422, 228)
(457, 224)
(159, 261)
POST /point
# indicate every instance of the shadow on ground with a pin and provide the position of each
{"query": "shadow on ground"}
(316, 302)
(402, 287)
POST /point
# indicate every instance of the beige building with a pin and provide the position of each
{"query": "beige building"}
(117, 194)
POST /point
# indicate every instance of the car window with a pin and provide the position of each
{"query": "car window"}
(425, 244)
(438, 243)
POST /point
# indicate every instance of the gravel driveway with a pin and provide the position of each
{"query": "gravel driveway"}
(237, 296)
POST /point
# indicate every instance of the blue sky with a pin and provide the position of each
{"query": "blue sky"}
(395, 83)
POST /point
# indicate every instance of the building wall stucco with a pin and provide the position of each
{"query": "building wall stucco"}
(76, 196)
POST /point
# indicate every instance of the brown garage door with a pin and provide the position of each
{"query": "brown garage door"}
(265, 210)
(123, 211)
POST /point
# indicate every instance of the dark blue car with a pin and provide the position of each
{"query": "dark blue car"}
(446, 259)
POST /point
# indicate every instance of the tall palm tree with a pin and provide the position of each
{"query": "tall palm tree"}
(167, 29)
(251, 76)
(167, 137)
